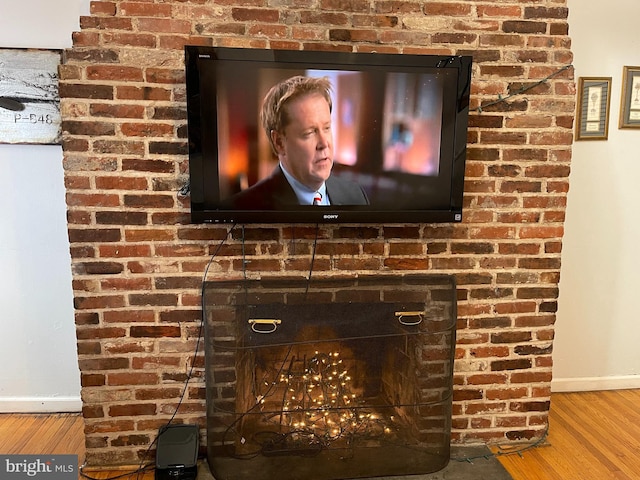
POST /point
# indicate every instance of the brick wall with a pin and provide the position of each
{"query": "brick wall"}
(138, 264)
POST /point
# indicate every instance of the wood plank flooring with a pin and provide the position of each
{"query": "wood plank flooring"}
(41, 434)
(592, 436)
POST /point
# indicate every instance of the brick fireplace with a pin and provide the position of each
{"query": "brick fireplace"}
(138, 264)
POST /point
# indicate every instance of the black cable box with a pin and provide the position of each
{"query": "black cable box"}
(177, 452)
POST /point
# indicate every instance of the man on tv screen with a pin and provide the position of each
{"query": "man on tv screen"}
(296, 116)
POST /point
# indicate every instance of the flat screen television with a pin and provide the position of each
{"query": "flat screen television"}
(398, 134)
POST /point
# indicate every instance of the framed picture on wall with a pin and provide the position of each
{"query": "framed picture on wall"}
(630, 105)
(594, 99)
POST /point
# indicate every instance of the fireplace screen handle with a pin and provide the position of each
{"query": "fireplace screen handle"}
(410, 318)
(264, 325)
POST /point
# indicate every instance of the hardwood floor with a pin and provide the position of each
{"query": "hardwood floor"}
(41, 434)
(592, 436)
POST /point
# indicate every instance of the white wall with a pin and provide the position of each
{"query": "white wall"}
(597, 330)
(38, 362)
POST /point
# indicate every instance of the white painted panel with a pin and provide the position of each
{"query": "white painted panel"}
(597, 328)
(38, 361)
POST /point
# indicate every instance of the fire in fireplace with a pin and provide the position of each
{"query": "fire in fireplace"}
(332, 379)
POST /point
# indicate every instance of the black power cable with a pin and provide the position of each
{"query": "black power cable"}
(149, 466)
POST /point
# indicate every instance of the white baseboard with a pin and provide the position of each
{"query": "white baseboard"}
(589, 384)
(40, 404)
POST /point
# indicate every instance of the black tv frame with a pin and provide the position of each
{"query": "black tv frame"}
(202, 62)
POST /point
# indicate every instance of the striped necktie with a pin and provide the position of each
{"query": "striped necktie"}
(317, 198)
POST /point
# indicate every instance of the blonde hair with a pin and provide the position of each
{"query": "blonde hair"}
(273, 115)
